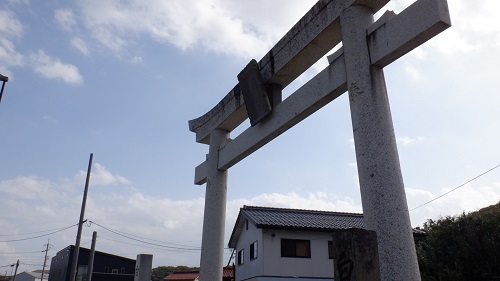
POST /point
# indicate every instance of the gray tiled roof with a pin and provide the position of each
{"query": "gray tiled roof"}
(265, 217)
(279, 218)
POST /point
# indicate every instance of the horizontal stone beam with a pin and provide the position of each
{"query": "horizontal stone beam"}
(200, 173)
(330, 83)
(306, 42)
(316, 93)
(415, 25)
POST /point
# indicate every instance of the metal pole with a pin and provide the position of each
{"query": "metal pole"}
(45, 259)
(3, 79)
(15, 272)
(76, 250)
(90, 266)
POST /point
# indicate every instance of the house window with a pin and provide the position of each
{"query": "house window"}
(295, 248)
(253, 250)
(106, 269)
(114, 271)
(241, 257)
(330, 249)
(122, 270)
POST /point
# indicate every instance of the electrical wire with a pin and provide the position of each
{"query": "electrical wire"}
(149, 247)
(35, 232)
(145, 242)
(145, 238)
(5, 253)
(34, 237)
(31, 264)
(446, 193)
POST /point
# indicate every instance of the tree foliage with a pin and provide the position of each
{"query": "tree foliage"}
(161, 272)
(465, 247)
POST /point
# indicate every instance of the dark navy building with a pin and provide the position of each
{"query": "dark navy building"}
(107, 267)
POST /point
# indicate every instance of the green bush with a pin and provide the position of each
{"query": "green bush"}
(464, 247)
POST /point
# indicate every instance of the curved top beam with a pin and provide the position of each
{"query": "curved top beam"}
(316, 33)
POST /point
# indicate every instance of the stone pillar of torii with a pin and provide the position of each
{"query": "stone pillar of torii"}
(357, 67)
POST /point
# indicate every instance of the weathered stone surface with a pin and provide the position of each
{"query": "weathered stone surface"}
(381, 182)
(357, 67)
(316, 33)
(356, 255)
(415, 25)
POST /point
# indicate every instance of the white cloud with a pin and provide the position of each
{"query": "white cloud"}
(27, 188)
(9, 24)
(249, 29)
(413, 72)
(405, 141)
(10, 28)
(109, 39)
(311, 201)
(468, 198)
(8, 55)
(80, 45)
(137, 60)
(101, 176)
(53, 68)
(65, 18)
(242, 29)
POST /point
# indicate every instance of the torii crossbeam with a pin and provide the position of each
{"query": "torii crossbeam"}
(357, 67)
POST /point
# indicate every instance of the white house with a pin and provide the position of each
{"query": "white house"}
(274, 244)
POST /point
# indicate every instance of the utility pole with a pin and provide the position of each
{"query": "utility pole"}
(76, 250)
(45, 259)
(90, 266)
(15, 272)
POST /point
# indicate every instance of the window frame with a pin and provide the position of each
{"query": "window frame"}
(331, 251)
(254, 250)
(240, 258)
(289, 248)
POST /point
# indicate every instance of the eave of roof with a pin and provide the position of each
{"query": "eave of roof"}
(293, 219)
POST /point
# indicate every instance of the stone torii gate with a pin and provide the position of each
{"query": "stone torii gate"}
(357, 67)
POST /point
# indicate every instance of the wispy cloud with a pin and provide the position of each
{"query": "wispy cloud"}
(468, 198)
(10, 29)
(8, 54)
(405, 141)
(65, 18)
(101, 176)
(80, 45)
(53, 68)
(9, 24)
(242, 30)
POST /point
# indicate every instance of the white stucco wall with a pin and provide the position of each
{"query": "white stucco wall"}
(269, 264)
(254, 267)
(318, 266)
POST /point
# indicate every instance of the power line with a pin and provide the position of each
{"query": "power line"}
(145, 242)
(145, 238)
(34, 237)
(149, 247)
(31, 264)
(35, 232)
(6, 253)
(457, 187)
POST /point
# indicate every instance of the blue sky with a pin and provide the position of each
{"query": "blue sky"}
(121, 79)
